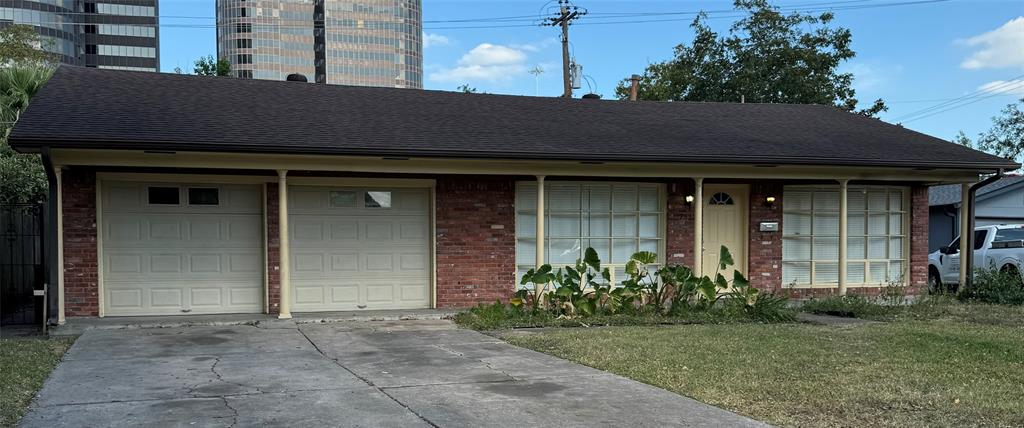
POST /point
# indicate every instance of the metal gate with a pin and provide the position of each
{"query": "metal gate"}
(22, 269)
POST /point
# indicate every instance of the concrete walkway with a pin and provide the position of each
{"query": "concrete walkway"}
(405, 373)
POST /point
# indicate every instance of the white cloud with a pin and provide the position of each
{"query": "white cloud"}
(999, 48)
(1009, 87)
(485, 62)
(431, 40)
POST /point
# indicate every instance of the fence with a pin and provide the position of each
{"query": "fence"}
(22, 268)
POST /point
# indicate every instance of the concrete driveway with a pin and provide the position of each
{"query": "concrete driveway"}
(407, 373)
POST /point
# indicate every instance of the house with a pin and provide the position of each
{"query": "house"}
(1001, 202)
(188, 194)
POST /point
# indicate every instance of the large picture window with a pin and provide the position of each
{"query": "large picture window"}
(876, 235)
(616, 219)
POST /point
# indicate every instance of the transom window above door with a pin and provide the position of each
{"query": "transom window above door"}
(616, 219)
(721, 198)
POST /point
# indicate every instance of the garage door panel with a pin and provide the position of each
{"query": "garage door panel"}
(172, 259)
(349, 255)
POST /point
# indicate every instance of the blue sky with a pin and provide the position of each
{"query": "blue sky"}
(913, 56)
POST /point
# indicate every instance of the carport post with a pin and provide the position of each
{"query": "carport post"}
(843, 234)
(698, 226)
(965, 224)
(284, 311)
(540, 221)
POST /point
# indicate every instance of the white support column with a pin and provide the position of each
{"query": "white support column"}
(60, 243)
(965, 223)
(698, 226)
(842, 235)
(540, 220)
(285, 311)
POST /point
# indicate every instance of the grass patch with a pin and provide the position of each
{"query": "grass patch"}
(25, 363)
(955, 365)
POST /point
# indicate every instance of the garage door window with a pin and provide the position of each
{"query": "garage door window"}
(343, 198)
(378, 200)
(203, 196)
(616, 219)
(164, 195)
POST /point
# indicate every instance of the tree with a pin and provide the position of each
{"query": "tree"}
(208, 66)
(1006, 136)
(22, 178)
(21, 44)
(767, 57)
(466, 89)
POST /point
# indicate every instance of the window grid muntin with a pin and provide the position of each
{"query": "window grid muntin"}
(616, 268)
(866, 260)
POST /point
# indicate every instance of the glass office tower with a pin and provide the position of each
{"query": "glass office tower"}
(117, 34)
(364, 43)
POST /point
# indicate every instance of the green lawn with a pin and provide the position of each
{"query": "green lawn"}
(960, 367)
(24, 365)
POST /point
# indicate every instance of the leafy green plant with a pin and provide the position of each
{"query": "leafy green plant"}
(537, 282)
(995, 286)
(579, 291)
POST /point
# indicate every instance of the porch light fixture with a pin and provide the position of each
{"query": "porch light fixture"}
(769, 201)
(689, 199)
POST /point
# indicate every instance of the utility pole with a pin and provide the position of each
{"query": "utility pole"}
(567, 13)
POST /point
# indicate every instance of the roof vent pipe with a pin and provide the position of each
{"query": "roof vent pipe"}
(296, 77)
(633, 86)
(591, 96)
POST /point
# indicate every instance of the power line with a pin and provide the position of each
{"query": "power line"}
(961, 101)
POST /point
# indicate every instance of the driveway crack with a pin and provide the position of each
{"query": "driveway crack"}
(365, 380)
(480, 360)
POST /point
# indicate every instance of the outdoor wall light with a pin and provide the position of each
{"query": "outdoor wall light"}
(769, 201)
(689, 199)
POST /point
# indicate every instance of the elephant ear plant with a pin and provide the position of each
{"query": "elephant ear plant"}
(579, 291)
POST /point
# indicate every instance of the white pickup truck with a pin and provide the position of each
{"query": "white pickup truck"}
(995, 247)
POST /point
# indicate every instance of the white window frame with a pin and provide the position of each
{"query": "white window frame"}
(615, 269)
(866, 260)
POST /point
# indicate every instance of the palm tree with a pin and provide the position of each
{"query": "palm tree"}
(18, 83)
(22, 178)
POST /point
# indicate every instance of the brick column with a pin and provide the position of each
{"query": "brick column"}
(679, 224)
(273, 252)
(476, 242)
(918, 239)
(765, 248)
(80, 264)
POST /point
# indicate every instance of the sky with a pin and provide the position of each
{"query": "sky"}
(941, 66)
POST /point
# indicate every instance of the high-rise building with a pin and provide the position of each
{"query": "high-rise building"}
(364, 43)
(117, 34)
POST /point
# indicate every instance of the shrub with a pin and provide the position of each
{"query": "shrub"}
(995, 286)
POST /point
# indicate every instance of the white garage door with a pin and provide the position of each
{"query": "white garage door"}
(181, 248)
(359, 248)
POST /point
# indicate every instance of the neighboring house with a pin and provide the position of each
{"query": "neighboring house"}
(189, 194)
(1001, 202)
(341, 42)
(114, 34)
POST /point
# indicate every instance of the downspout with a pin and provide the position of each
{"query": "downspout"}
(50, 239)
(969, 233)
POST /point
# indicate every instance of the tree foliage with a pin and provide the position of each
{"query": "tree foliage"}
(1006, 136)
(20, 44)
(766, 57)
(209, 66)
(22, 178)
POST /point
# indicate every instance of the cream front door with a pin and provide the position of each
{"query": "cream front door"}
(725, 223)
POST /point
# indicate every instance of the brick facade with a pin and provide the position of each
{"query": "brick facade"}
(81, 277)
(476, 242)
(273, 250)
(764, 249)
(679, 223)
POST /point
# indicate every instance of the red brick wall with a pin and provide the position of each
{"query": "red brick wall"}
(919, 238)
(764, 250)
(273, 251)
(81, 277)
(679, 223)
(476, 243)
